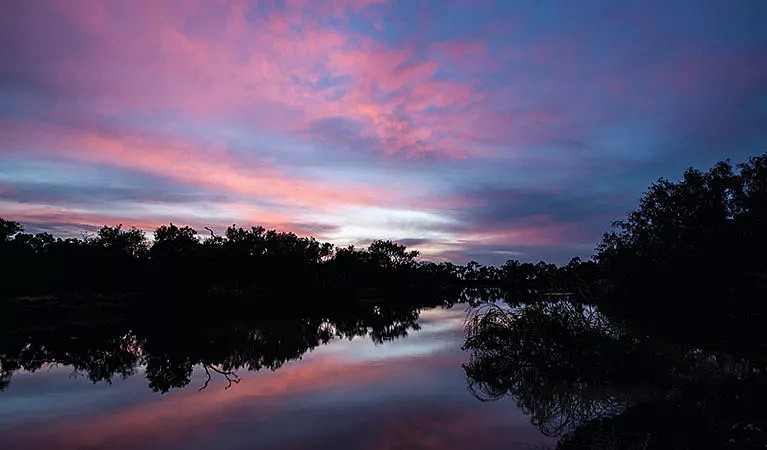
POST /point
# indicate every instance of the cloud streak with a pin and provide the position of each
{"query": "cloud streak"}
(306, 110)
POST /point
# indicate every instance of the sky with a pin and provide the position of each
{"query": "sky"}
(464, 129)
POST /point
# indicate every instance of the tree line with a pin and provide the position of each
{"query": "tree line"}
(119, 259)
(694, 248)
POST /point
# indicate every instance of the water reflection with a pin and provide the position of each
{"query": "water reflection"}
(367, 389)
(89, 373)
(595, 384)
(114, 342)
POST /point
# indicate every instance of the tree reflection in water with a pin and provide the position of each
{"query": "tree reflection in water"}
(595, 384)
(112, 338)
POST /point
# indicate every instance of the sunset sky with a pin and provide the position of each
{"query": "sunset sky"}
(467, 130)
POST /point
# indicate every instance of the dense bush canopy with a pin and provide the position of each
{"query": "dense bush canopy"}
(696, 248)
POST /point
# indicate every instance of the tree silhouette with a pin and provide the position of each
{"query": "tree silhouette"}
(8, 229)
(695, 247)
(122, 260)
(170, 240)
(131, 243)
(389, 255)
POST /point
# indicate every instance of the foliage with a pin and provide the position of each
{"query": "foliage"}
(8, 229)
(118, 259)
(119, 242)
(172, 240)
(390, 255)
(692, 244)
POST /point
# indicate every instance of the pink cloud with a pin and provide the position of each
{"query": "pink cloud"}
(34, 214)
(462, 52)
(699, 73)
(265, 73)
(184, 161)
(74, 219)
(544, 233)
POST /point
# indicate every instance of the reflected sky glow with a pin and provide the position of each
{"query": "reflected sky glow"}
(409, 393)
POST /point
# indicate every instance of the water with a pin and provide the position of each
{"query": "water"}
(117, 372)
(364, 392)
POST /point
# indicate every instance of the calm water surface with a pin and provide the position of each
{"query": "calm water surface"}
(409, 392)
